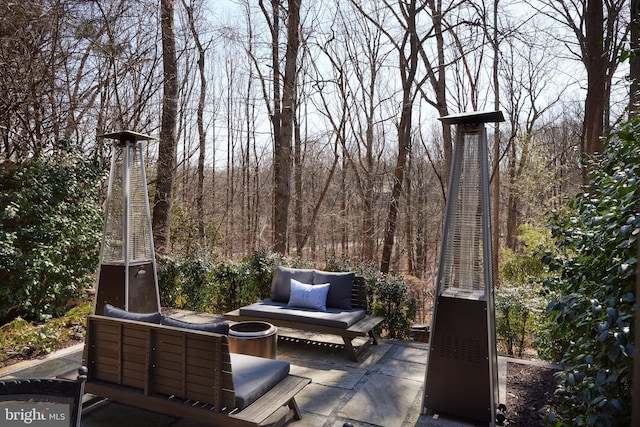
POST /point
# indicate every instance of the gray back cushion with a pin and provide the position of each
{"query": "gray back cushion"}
(218, 327)
(281, 285)
(340, 290)
(111, 311)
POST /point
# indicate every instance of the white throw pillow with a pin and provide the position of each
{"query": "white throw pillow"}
(308, 296)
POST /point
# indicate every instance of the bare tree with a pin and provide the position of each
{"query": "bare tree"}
(352, 95)
(408, 71)
(191, 21)
(525, 68)
(71, 69)
(167, 147)
(407, 50)
(282, 111)
(600, 30)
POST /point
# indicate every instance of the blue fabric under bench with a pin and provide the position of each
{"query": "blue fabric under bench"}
(333, 317)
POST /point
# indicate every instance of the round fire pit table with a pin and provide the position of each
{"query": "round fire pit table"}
(254, 338)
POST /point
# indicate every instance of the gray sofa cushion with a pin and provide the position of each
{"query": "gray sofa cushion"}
(219, 327)
(111, 311)
(333, 317)
(254, 376)
(340, 290)
(281, 285)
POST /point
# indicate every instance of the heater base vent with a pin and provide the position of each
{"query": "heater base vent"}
(458, 379)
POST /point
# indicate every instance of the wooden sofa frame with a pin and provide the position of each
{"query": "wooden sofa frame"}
(362, 328)
(178, 372)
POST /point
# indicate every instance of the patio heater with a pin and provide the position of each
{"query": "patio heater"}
(461, 378)
(127, 277)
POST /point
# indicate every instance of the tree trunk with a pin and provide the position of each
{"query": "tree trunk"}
(596, 63)
(200, 123)
(439, 83)
(512, 208)
(282, 149)
(297, 183)
(408, 221)
(408, 69)
(167, 144)
(495, 179)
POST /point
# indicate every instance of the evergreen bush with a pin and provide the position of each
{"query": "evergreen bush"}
(388, 296)
(595, 287)
(519, 298)
(50, 231)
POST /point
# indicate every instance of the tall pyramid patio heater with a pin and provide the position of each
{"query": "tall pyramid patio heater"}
(128, 276)
(462, 374)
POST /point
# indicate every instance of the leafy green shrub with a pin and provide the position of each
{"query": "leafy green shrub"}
(518, 300)
(549, 341)
(186, 282)
(388, 296)
(50, 230)
(594, 309)
(197, 283)
(249, 280)
(170, 280)
(393, 302)
(260, 267)
(230, 279)
(25, 339)
(517, 306)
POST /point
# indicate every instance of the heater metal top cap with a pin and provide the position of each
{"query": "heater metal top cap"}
(127, 135)
(473, 118)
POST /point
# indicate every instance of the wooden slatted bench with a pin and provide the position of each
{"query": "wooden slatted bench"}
(308, 320)
(180, 372)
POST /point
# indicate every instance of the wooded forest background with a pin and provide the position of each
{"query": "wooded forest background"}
(310, 128)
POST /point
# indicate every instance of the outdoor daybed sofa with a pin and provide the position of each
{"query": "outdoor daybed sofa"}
(317, 301)
(185, 372)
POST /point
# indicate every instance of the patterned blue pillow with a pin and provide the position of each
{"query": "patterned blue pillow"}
(308, 296)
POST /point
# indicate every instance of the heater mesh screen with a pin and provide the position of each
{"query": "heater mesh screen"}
(139, 236)
(113, 250)
(130, 202)
(463, 257)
